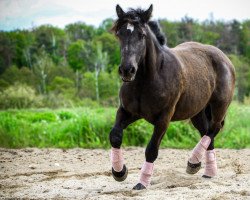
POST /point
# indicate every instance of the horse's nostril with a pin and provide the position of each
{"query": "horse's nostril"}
(132, 70)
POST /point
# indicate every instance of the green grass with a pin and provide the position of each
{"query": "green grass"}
(90, 127)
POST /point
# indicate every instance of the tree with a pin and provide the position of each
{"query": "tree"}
(245, 39)
(111, 47)
(105, 26)
(7, 51)
(186, 29)
(53, 40)
(41, 69)
(100, 62)
(242, 76)
(80, 31)
(171, 32)
(77, 55)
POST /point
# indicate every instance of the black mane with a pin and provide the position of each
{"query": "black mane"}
(136, 16)
(155, 28)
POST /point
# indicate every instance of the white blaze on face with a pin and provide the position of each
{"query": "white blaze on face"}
(130, 27)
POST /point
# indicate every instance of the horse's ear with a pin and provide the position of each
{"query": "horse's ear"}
(119, 11)
(147, 14)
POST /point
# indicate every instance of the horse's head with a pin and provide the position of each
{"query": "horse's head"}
(130, 28)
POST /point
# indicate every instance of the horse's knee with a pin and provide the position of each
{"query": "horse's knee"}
(151, 152)
(115, 137)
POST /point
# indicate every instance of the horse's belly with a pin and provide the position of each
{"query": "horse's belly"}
(191, 104)
(199, 85)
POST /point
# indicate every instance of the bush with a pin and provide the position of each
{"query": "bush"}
(3, 84)
(88, 89)
(18, 96)
(53, 100)
(61, 84)
(23, 75)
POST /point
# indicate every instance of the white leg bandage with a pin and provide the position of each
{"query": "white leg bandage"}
(199, 150)
(146, 173)
(211, 165)
(117, 159)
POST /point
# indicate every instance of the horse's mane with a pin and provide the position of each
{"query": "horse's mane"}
(136, 17)
(155, 28)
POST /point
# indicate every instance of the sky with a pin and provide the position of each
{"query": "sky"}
(25, 14)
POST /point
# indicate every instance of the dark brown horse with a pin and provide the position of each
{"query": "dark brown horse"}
(161, 84)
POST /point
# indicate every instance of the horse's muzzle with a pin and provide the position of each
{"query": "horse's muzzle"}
(125, 79)
(127, 73)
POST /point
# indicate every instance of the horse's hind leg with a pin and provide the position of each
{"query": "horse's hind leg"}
(208, 122)
(218, 111)
(201, 123)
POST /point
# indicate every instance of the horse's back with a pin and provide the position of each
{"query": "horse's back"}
(211, 61)
(208, 75)
(210, 54)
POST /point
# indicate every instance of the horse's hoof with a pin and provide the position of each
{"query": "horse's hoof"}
(139, 186)
(205, 176)
(120, 176)
(193, 168)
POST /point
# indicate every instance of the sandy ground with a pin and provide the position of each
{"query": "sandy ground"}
(85, 174)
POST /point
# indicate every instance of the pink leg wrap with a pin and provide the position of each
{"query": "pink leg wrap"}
(211, 165)
(116, 159)
(200, 149)
(146, 173)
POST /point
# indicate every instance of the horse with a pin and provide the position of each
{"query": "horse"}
(161, 84)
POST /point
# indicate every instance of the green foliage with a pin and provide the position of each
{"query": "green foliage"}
(80, 31)
(110, 45)
(108, 86)
(52, 39)
(35, 57)
(242, 76)
(41, 70)
(77, 54)
(11, 75)
(237, 128)
(61, 85)
(90, 127)
(89, 85)
(18, 96)
(105, 26)
(245, 39)
(3, 85)
(171, 31)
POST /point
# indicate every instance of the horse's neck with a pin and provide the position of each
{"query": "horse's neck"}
(150, 61)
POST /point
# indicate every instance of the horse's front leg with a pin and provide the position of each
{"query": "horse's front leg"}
(151, 154)
(123, 119)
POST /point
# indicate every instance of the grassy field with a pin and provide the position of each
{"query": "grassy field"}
(90, 127)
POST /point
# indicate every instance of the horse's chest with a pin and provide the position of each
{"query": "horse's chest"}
(143, 101)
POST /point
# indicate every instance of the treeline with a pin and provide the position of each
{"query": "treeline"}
(52, 67)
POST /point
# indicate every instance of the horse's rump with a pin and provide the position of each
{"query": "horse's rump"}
(208, 75)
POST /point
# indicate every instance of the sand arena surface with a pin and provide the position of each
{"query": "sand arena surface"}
(85, 174)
